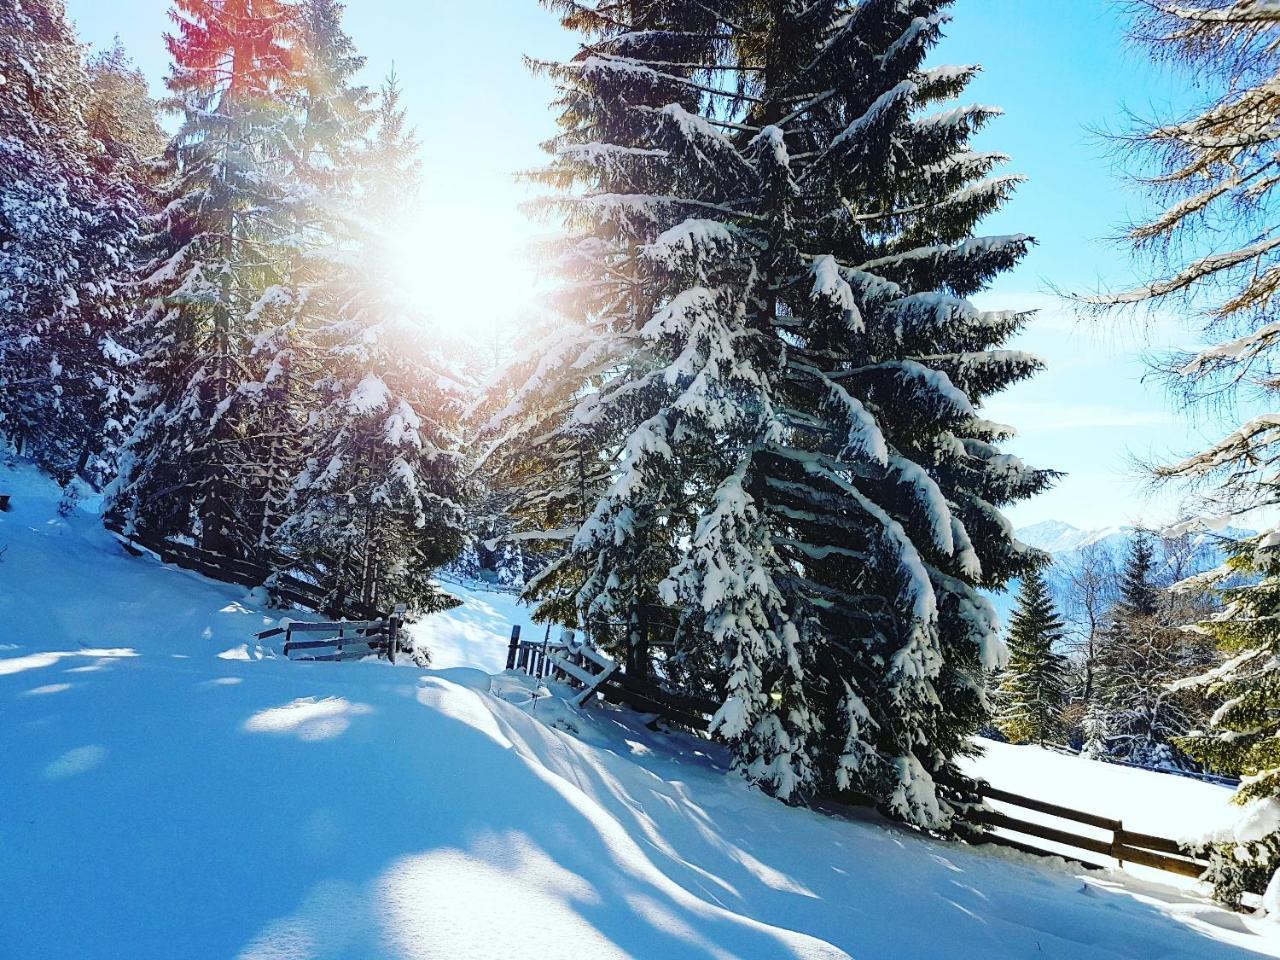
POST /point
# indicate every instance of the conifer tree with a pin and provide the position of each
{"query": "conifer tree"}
(1033, 689)
(68, 229)
(759, 407)
(330, 120)
(1095, 731)
(1139, 596)
(1215, 251)
(377, 502)
(120, 114)
(1142, 657)
(1242, 738)
(218, 285)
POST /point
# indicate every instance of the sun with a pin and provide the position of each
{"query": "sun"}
(471, 277)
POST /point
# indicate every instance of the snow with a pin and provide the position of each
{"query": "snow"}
(1166, 805)
(164, 801)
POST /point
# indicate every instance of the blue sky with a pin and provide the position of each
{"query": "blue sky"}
(1058, 68)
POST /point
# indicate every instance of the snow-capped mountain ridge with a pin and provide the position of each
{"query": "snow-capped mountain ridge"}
(1058, 536)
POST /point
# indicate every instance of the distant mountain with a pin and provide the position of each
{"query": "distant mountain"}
(1057, 537)
(1064, 542)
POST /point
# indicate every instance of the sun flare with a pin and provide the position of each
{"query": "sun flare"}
(474, 279)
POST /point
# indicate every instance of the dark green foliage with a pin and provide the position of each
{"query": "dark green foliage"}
(1243, 737)
(1033, 687)
(69, 216)
(756, 416)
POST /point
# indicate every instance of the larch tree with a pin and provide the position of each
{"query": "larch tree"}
(218, 283)
(758, 414)
(1033, 688)
(69, 223)
(1212, 241)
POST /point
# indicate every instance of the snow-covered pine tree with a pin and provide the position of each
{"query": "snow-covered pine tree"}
(68, 228)
(1139, 596)
(1094, 728)
(1243, 736)
(1033, 687)
(330, 118)
(883, 484)
(1142, 656)
(598, 373)
(120, 113)
(376, 506)
(762, 394)
(218, 281)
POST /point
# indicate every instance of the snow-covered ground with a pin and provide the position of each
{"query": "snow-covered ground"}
(1164, 804)
(169, 791)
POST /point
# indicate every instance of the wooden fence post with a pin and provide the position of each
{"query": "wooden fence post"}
(514, 647)
(393, 630)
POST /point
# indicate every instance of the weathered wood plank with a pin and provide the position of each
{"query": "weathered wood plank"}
(1041, 806)
(307, 626)
(1186, 868)
(993, 818)
(1146, 841)
(581, 674)
(686, 703)
(646, 703)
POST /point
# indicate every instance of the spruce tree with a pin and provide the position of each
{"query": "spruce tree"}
(1095, 731)
(1139, 596)
(1142, 657)
(330, 119)
(68, 230)
(759, 407)
(1243, 736)
(1033, 688)
(377, 503)
(218, 287)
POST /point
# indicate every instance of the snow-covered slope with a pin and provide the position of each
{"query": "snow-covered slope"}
(167, 790)
(1163, 804)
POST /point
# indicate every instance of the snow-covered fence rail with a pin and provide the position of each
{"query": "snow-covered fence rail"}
(1124, 846)
(246, 573)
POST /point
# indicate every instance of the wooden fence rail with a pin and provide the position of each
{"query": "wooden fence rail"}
(343, 639)
(245, 573)
(1125, 846)
(581, 665)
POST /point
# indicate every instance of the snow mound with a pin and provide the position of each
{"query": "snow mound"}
(160, 801)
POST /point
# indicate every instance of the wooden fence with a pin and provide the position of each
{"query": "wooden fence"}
(246, 573)
(341, 640)
(1125, 846)
(581, 665)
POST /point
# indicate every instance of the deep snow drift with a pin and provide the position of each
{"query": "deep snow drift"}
(169, 791)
